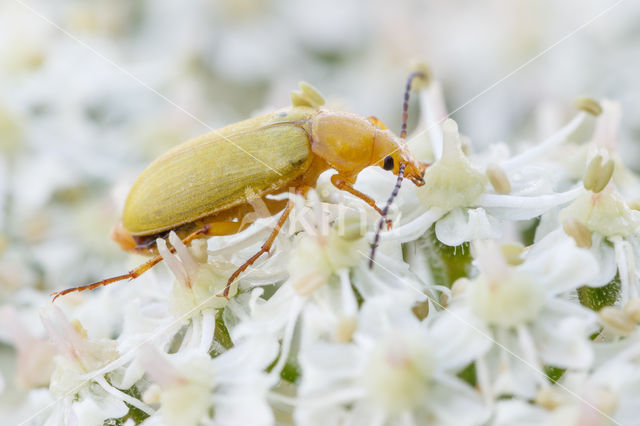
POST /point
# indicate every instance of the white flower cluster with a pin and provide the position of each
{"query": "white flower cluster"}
(506, 293)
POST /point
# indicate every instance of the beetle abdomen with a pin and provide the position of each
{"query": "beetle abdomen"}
(219, 170)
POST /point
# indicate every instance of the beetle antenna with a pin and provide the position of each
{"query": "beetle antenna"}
(383, 219)
(405, 104)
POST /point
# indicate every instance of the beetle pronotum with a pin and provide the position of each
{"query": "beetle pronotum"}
(204, 187)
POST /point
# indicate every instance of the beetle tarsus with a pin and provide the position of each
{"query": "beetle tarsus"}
(96, 284)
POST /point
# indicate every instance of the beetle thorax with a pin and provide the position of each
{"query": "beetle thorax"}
(344, 140)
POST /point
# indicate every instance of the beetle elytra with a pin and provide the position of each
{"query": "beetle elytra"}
(204, 187)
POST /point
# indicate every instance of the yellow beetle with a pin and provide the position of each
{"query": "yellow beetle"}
(204, 186)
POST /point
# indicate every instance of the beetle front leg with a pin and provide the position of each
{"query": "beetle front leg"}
(343, 184)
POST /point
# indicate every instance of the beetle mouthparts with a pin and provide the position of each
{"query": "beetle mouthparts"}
(418, 181)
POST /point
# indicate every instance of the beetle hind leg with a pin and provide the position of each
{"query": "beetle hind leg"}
(134, 273)
(264, 249)
(212, 229)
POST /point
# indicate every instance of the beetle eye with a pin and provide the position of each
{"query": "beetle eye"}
(388, 163)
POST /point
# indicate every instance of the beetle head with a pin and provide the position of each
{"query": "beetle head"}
(350, 142)
(390, 151)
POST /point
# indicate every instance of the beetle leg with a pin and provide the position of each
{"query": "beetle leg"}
(264, 249)
(212, 229)
(341, 183)
(130, 275)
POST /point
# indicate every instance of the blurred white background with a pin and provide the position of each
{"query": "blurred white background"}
(91, 91)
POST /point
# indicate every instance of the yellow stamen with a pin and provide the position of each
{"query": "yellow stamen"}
(587, 104)
(498, 179)
(578, 231)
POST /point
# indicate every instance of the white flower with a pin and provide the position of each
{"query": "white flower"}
(531, 320)
(612, 231)
(310, 334)
(605, 140)
(35, 355)
(198, 283)
(470, 202)
(325, 251)
(184, 392)
(606, 394)
(78, 354)
(395, 369)
(452, 181)
(189, 383)
(84, 401)
(608, 225)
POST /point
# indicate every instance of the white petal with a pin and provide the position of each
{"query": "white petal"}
(604, 254)
(514, 207)
(557, 309)
(388, 311)
(558, 264)
(328, 367)
(413, 229)
(320, 416)
(246, 405)
(453, 402)
(545, 145)
(514, 412)
(459, 337)
(250, 356)
(366, 413)
(94, 408)
(462, 225)
(617, 374)
(127, 378)
(634, 240)
(513, 374)
(564, 343)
